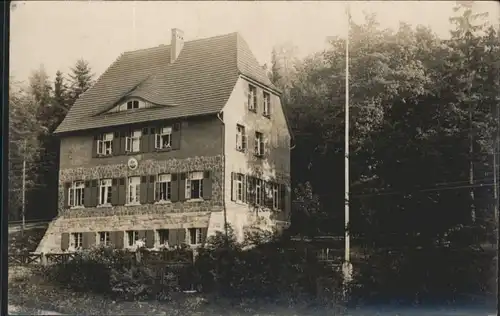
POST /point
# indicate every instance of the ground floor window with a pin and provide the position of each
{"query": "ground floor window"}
(132, 237)
(104, 238)
(76, 240)
(195, 236)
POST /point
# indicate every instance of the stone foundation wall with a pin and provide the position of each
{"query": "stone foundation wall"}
(214, 164)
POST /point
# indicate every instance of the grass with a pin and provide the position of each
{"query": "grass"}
(30, 290)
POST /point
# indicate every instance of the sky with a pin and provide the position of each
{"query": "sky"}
(57, 33)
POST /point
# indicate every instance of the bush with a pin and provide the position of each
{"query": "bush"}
(273, 268)
(112, 272)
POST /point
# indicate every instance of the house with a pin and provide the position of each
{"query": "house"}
(168, 145)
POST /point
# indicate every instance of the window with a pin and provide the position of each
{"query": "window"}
(132, 105)
(259, 144)
(241, 138)
(239, 187)
(133, 141)
(267, 104)
(105, 192)
(76, 240)
(104, 239)
(105, 144)
(163, 138)
(76, 194)
(132, 237)
(163, 236)
(258, 192)
(194, 187)
(164, 187)
(252, 98)
(275, 192)
(134, 187)
(195, 236)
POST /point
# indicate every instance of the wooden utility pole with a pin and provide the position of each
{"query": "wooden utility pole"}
(24, 190)
(346, 266)
(496, 162)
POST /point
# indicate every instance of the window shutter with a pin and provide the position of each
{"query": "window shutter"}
(142, 234)
(175, 188)
(114, 192)
(176, 136)
(123, 141)
(87, 199)
(207, 185)
(244, 189)
(94, 146)
(144, 145)
(157, 191)
(204, 235)
(244, 142)
(116, 144)
(150, 239)
(181, 236)
(64, 241)
(122, 191)
(172, 237)
(246, 95)
(94, 193)
(260, 99)
(117, 239)
(151, 189)
(144, 190)
(152, 139)
(283, 194)
(233, 186)
(88, 240)
(182, 186)
(67, 185)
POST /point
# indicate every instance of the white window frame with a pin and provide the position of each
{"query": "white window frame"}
(194, 176)
(76, 241)
(167, 180)
(197, 236)
(75, 202)
(105, 186)
(135, 236)
(267, 103)
(133, 141)
(105, 144)
(133, 190)
(252, 97)
(260, 144)
(240, 180)
(241, 138)
(133, 102)
(107, 238)
(161, 132)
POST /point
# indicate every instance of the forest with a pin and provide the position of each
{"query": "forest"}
(424, 133)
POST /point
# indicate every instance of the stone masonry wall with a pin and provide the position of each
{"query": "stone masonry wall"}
(214, 164)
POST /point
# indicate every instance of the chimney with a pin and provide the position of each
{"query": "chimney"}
(176, 44)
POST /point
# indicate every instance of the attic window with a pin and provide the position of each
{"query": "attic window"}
(132, 105)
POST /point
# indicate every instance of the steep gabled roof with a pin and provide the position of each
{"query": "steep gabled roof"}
(199, 82)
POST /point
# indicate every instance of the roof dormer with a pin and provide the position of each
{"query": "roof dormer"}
(130, 104)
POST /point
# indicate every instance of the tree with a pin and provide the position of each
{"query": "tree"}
(81, 80)
(23, 145)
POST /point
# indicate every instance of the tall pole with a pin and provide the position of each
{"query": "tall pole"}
(24, 190)
(496, 162)
(347, 267)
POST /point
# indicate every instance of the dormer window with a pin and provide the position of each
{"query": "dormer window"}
(132, 105)
(133, 141)
(105, 144)
(163, 138)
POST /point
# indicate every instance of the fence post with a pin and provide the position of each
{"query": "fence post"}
(43, 259)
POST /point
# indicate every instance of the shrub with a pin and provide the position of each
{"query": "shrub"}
(112, 272)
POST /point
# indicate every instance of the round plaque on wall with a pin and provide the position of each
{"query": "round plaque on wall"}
(132, 163)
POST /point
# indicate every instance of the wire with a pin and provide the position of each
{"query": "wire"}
(426, 190)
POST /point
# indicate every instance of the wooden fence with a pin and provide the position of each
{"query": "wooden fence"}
(154, 257)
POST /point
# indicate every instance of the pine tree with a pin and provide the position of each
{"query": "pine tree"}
(81, 80)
